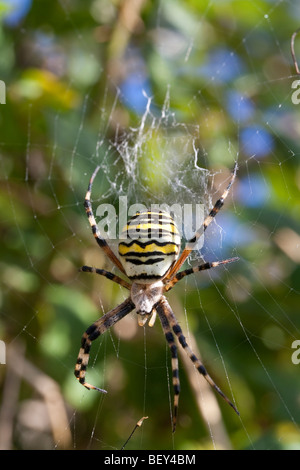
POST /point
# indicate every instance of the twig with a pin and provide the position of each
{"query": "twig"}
(293, 51)
(138, 425)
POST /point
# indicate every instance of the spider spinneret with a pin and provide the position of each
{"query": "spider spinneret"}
(149, 257)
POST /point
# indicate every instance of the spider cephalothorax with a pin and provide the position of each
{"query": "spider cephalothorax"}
(149, 257)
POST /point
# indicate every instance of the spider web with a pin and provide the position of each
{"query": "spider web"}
(173, 143)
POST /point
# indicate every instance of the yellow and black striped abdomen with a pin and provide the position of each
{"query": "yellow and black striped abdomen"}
(149, 245)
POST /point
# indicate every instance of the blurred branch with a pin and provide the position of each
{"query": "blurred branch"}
(20, 368)
(129, 22)
(9, 401)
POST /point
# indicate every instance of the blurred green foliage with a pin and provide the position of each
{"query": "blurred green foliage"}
(74, 74)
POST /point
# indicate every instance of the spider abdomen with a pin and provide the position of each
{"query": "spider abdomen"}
(150, 245)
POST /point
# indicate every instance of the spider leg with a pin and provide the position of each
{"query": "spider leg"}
(192, 242)
(195, 269)
(174, 358)
(98, 237)
(163, 308)
(92, 333)
(107, 274)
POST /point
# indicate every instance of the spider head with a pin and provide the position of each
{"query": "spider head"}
(149, 245)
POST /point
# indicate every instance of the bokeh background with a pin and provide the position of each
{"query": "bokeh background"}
(220, 75)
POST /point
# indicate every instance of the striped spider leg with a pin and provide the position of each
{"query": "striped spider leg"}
(93, 332)
(169, 322)
(195, 269)
(98, 237)
(192, 242)
(149, 257)
(107, 274)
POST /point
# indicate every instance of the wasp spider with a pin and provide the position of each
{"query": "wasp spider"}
(149, 257)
